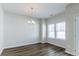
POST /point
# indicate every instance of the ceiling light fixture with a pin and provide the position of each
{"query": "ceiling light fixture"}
(31, 21)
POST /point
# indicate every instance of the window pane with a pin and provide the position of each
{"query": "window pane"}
(60, 30)
(51, 33)
(60, 26)
(61, 35)
(51, 27)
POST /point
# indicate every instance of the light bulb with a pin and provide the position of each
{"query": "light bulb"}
(33, 22)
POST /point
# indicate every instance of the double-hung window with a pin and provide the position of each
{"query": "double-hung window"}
(51, 31)
(60, 30)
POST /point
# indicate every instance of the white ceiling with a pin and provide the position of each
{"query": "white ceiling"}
(41, 10)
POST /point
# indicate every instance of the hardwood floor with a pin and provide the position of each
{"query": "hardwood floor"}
(35, 50)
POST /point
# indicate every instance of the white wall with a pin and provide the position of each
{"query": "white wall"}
(77, 34)
(43, 30)
(17, 32)
(1, 29)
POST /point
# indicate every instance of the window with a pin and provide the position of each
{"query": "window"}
(51, 31)
(57, 31)
(60, 30)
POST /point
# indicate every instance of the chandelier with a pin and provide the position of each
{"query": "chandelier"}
(31, 20)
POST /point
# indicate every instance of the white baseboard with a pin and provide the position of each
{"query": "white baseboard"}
(56, 44)
(21, 45)
(70, 52)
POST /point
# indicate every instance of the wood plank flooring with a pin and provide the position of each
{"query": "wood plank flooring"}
(35, 50)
